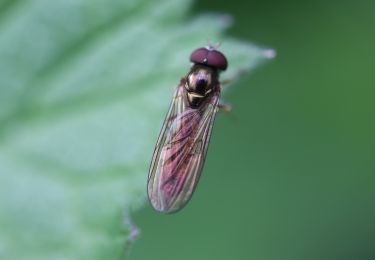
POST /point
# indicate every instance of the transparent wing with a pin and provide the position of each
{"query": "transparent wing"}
(180, 151)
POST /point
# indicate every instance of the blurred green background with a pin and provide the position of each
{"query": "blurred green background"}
(290, 172)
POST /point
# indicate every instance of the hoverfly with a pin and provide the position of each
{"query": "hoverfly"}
(181, 149)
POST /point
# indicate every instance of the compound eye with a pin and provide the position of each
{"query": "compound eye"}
(209, 57)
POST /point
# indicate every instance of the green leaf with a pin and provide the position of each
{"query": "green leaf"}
(85, 85)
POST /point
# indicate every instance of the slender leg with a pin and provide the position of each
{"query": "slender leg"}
(235, 77)
(223, 107)
(226, 108)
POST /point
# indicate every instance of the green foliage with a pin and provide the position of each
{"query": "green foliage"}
(84, 87)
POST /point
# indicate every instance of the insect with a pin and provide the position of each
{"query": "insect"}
(181, 149)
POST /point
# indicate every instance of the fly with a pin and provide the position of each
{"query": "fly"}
(181, 149)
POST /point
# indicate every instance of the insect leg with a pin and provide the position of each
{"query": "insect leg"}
(224, 107)
(233, 78)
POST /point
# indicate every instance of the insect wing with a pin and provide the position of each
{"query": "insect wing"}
(180, 151)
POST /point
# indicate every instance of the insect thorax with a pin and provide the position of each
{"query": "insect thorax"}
(199, 83)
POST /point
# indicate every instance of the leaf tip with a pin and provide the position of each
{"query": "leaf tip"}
(269, 53)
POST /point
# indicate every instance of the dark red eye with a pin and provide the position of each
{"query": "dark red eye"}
(209, 57)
